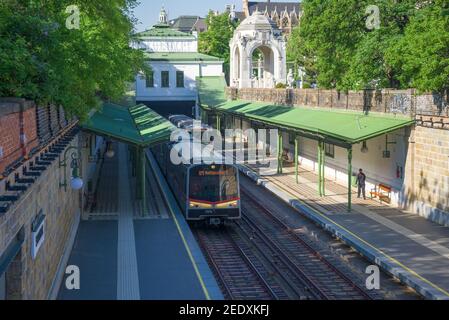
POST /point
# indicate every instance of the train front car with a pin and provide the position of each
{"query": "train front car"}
(213, 193)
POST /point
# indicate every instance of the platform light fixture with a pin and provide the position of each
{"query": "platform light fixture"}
(110, 153)
(364, 147)
(76, 182)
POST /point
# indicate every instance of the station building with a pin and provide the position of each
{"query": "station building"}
(399, 138)
(175, 62)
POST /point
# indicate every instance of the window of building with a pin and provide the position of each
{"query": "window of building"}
(165, 76)
(180, 79)
(150, 80)
(329, 150)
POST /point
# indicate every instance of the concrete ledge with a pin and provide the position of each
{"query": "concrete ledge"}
(197, 255)
(386, 263)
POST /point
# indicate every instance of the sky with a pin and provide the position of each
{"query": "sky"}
(148, 11)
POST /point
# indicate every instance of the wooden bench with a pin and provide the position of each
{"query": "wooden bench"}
(383, 192)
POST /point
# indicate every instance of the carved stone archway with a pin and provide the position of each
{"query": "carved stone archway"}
(258, 32)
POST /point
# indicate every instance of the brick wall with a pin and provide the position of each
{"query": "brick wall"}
(9, 140)
(18, 135)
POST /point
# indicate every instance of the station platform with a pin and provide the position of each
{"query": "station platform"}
(409, 247)
(123, 255)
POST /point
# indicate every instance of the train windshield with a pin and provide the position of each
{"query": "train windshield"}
(214, 183)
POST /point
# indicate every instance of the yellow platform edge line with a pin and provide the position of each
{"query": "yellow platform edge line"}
(362, 240)
(184, 241)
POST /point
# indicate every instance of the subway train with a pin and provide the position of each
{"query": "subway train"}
(208, 193)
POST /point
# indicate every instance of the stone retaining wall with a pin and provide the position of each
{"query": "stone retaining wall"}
(34, 277)
(406, 102)
(425, 190)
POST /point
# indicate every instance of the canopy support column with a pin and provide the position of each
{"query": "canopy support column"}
(141, 179)
(144, 181)
(280, 152)
(133, 151)
(138, 174)
(296, 159)
(242, 145)
(349, 179)
(218, 122)
(319, 167)
(323, 169)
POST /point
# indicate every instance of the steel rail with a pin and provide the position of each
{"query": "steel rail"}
(306, 246)
(205, 243)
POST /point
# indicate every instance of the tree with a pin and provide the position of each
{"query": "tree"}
(330, 31)
(407, 48)
(301, 56)
(45, 61)
(423, 53)
(215, 41)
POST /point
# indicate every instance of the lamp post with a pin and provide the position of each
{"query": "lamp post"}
(76, 182)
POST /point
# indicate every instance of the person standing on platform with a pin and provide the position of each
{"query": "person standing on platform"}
(361, 184)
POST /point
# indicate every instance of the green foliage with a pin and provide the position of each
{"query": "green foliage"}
(281, 86)
(409, 49)
(423, 52)
(44, 61)
(301, 56)
(215, 41)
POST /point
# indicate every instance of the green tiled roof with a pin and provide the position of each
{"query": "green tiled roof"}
(339, 126)
(211, 90)
(138, 125)
(163, 31)
(347, 127)
(181, 56)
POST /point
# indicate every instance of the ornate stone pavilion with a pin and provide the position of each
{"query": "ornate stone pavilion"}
(258, 32)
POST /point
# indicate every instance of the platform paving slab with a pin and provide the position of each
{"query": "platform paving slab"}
(410, 248)
(95, 253)
(132, 258)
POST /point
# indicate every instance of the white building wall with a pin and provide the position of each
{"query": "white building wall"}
(188, 93)
(211, 70)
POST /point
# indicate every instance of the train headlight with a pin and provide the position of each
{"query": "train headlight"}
(199, 205)
(230, 204)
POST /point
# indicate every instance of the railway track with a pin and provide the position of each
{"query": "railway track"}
(320, 277)
(238, 276)
(261, 258)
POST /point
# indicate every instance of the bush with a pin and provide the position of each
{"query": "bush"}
(281, 86)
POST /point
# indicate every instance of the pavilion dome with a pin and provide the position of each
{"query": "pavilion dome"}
(258, 22)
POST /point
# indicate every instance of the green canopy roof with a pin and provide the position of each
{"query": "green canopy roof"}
(342, 126)
(211, 90)
(138, 125)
